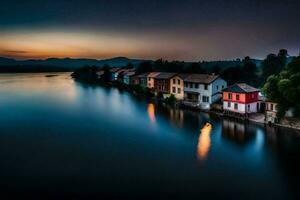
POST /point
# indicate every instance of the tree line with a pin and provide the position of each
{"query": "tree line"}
(278, 78)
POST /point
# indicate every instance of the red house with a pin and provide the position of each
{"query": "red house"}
(240, 98)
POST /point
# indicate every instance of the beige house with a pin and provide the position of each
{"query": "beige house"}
(177, 86)
(271, 112)
(150, 79)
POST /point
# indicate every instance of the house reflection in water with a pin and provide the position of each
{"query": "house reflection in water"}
(174, 116)
(151, 112)
(204, 142)
(177, 117)
(238, 132)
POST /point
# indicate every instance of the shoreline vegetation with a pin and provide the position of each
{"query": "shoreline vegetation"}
(148, 95)
(90, 75)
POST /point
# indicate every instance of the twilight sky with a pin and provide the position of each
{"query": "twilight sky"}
(190, 30)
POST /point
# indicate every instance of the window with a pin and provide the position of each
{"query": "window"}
(217, 87)
(228, 104)
(149, 79)
(235, 106)
(196, 85)
(205, 87)
(174, 89)
(185, 84)
(272, 106)
(191, 85)
(229, 96)
(174, 81)
(205, 99)
(178, 81)
(178, 90)
(237, 97)
(222, 86)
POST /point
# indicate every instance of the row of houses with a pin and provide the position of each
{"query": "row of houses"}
(200, 90)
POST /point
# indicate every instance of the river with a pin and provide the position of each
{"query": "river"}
(61, 138)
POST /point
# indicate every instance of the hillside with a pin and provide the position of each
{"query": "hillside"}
(60, 64)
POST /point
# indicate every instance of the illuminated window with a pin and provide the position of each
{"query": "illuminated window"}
(237, 97)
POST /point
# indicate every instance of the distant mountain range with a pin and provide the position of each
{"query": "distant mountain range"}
(70, 64)
(66, 63)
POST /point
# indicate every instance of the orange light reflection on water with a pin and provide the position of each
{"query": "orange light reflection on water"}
(151, 112)
(204, 142)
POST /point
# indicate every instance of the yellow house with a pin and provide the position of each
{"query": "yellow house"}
(177, 86)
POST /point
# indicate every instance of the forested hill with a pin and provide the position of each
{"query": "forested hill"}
(224, 64)
(60, 64)
(71, 64)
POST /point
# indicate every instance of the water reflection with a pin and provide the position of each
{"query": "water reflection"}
(93, 130)
(238, 132)
(186, 120)
(151, 112)
(204, 142)
(177, 117)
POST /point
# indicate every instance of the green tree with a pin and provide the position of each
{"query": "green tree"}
(144, 67)
(129, 66)
(195, 68)
(249, 71)
(246, 73)
(284, 88)
(274, 64)
(171, 100)
(107, 74)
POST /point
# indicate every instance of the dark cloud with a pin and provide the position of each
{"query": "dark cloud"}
(267, 24)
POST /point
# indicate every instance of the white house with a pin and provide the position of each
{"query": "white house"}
(114, 73)
(241, 99)
(202, 90)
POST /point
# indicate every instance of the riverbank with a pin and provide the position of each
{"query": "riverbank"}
(149, 95)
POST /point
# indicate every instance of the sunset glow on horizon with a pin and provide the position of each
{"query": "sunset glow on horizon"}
(27, 45)
(189, 30)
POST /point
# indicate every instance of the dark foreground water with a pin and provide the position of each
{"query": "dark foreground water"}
(59, 138)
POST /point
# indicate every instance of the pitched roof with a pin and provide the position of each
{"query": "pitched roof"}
(115, 69)
(145, 75)
(165, 75)
(200, 78)
(241, 88)
(123, 71)
(129, 73)
(183, 76)
(153, 74)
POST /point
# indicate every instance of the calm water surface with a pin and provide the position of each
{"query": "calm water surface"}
(65, 139)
